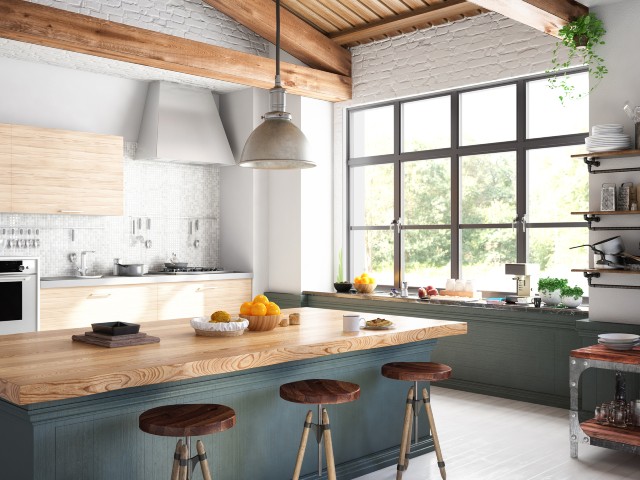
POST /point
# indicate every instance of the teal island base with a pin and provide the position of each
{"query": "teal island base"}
(97, 437)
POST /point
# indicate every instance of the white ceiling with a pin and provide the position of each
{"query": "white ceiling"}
(597, 3)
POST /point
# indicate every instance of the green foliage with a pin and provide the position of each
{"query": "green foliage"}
(580, 37)
(550, 284)
(573, 292)
(340, 278)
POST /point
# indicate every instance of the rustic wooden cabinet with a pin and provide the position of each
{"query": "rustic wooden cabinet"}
(60, 171)
(198, 299)
(5, 168)
(81, 306)
(73, 307)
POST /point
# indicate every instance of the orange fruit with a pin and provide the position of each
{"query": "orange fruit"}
(357, 280)
(245, 309)
(364, 275)
(261, 299)
(259, 309)
(273, 309)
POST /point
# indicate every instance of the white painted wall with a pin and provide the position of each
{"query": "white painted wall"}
(55, 97)
(622, 58)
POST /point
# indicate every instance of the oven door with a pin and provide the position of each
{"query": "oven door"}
(18, 303)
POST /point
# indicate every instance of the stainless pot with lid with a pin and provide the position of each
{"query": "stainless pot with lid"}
(130, 270)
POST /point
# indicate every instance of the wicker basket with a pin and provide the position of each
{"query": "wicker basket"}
(365, 287)
(204, 328)
(262, 323)
(218, 333)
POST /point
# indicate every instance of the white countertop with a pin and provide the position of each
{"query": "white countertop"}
(64, 282)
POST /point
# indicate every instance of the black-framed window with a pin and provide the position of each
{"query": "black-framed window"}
(458, 183)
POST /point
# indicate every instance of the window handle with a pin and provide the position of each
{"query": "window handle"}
(523, 222)
(396, 225)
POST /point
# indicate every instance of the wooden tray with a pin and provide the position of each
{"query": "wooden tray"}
(111, 341)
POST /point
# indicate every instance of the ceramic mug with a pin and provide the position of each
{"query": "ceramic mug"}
(351, 323)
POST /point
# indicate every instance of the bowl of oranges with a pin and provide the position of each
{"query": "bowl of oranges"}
(364, 283)
(261, 314)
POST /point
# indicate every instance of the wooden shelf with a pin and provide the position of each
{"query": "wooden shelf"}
(627, 436)
(606, 270)
(617, 212)
(612, 154)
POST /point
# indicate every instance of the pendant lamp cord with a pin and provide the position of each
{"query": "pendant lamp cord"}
(278, 84)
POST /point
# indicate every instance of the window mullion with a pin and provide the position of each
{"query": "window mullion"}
(455, 186)
(398, 240)
(522, 251)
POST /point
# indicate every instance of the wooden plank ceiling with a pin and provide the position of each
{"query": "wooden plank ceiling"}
(354, 22)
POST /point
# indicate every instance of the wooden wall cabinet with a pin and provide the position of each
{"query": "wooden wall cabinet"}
(5, 168)
(60, 171)
(75, 307)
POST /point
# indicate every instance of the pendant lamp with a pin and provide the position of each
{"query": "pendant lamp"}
(277, 143)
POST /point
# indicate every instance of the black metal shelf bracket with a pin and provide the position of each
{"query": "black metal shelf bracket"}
(591, 275)
(589, 218)
(591, 162)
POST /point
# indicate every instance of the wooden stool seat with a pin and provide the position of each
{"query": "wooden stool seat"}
(318, 391)
(187, 420)
(416, 371)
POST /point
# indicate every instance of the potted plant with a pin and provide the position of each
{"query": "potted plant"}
(550, 289)
(340, 284)
(580, 37)
(571, 296)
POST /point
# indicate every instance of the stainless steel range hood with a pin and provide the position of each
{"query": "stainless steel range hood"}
(182, 124)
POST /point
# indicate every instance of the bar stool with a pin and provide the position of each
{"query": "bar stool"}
(318, 392)
(417, 372)
(187, 421)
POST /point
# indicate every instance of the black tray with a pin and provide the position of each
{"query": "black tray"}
(116, 328)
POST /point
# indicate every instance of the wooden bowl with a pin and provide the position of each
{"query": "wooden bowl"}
(262, 323)
(365, 287)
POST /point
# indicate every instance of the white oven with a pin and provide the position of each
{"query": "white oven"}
(19, 295)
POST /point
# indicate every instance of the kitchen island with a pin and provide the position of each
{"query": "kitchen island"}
(70, 410)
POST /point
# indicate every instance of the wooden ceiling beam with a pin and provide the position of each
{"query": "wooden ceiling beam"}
(548, 16)
(296, 36)
(399, 22)
(51, 27)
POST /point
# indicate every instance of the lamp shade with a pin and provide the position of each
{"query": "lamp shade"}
(277, 144)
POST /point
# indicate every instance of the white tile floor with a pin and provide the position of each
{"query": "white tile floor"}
(490, 438)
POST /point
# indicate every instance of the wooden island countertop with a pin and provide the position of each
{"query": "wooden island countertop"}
(48, 366)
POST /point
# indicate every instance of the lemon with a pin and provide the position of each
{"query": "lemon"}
(258, 309)
(245, 309)
(261, 299)
(220, 317)
(273, 309)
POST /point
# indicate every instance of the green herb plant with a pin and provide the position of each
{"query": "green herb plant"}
(580, 37)
(573, 292)
(550, 284)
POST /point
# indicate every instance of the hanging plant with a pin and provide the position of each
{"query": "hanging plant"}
(580, 37)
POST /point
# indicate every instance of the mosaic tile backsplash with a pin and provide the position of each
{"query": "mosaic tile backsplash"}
(166, 198)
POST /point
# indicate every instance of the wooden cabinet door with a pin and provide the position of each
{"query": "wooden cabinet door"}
(201, 299)
(81, 306)
(59, 171)
(5, 168)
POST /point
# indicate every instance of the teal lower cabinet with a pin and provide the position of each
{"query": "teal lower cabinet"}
(512, 352)
(97, 437)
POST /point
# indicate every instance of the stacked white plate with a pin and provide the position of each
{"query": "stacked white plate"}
(606, 138)
(619, 341)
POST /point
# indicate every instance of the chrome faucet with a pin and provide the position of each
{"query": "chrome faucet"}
(83, 262)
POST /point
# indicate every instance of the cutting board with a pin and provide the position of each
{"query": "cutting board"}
(114, 341)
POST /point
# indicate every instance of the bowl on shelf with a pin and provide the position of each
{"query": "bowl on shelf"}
(550, 298)
(262, 323)
(571, 302)
(342, 287)
(365, 287)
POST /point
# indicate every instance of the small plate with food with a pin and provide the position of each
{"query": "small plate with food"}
(378, 324)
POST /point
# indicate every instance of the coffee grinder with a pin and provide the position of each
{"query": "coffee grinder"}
(522, 273)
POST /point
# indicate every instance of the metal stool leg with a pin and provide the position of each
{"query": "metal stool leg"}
(416, 410)
(202, 458)
(319, 439)
(434, 433)
(303, 445)
(176, 461)
(328, 446)
(406, 434)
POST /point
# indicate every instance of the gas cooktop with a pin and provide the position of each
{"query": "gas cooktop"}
(188, 271)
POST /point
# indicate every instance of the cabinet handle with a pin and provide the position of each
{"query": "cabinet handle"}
(99, 295)
(205, 288)
(71, 211)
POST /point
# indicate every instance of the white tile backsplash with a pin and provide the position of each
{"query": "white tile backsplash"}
(169, 195)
